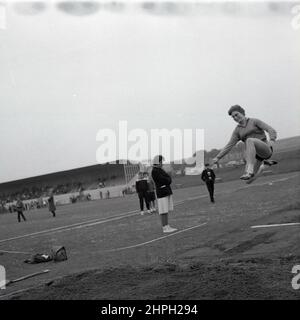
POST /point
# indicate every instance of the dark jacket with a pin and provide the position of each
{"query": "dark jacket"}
(162, 182)
(151, 185)
(19, 205)
(208, 175)
(51, 204)
(141, 186)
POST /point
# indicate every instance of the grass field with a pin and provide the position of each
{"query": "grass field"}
(115, 253)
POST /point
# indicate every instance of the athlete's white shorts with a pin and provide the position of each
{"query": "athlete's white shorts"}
(165, 204)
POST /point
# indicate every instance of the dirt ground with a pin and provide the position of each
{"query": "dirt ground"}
(216, 255)
(244, 278)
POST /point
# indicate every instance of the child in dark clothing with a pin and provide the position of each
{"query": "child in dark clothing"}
(141, 187)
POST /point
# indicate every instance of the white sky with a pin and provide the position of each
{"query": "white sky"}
(64, 77)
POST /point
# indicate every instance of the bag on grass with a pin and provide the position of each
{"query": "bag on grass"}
(59, 253)
(39, 258)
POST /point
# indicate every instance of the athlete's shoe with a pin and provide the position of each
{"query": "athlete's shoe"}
(270, 162)
(168, 229)
(257, 173)
(247, 176)
(149, 211)
(142, 213)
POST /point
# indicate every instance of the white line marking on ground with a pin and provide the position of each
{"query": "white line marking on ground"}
(157, 239)
(16, 292)
(94, 223)
(197, 197)
(179, 202)
(277, 225)
(271, 181)
(70, 227)
(79, 225)
(22, 252)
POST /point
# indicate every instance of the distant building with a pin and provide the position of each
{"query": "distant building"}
(193, 171)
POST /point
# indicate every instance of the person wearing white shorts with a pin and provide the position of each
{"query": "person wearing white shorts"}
(164, 193)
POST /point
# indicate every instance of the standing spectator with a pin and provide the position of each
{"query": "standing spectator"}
(51, 203)
(208, 176)
(141, 187)
(164, 192)
(19, 209)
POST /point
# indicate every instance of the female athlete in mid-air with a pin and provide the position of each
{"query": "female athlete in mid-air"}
(258, 149)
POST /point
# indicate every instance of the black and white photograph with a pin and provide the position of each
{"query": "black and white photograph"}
(149, 152)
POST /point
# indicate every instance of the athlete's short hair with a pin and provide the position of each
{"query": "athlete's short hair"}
(236, 108)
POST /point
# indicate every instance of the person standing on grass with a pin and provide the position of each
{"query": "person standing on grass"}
(141, 187)
(208, 176)
(19, 209)
(150, 192)
(51, 204)
(164, 192)
(258, 149)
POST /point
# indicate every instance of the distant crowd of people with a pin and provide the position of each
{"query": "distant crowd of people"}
(28, 205)
(38, 192)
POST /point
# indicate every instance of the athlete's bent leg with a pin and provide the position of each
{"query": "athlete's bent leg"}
(255, 147)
